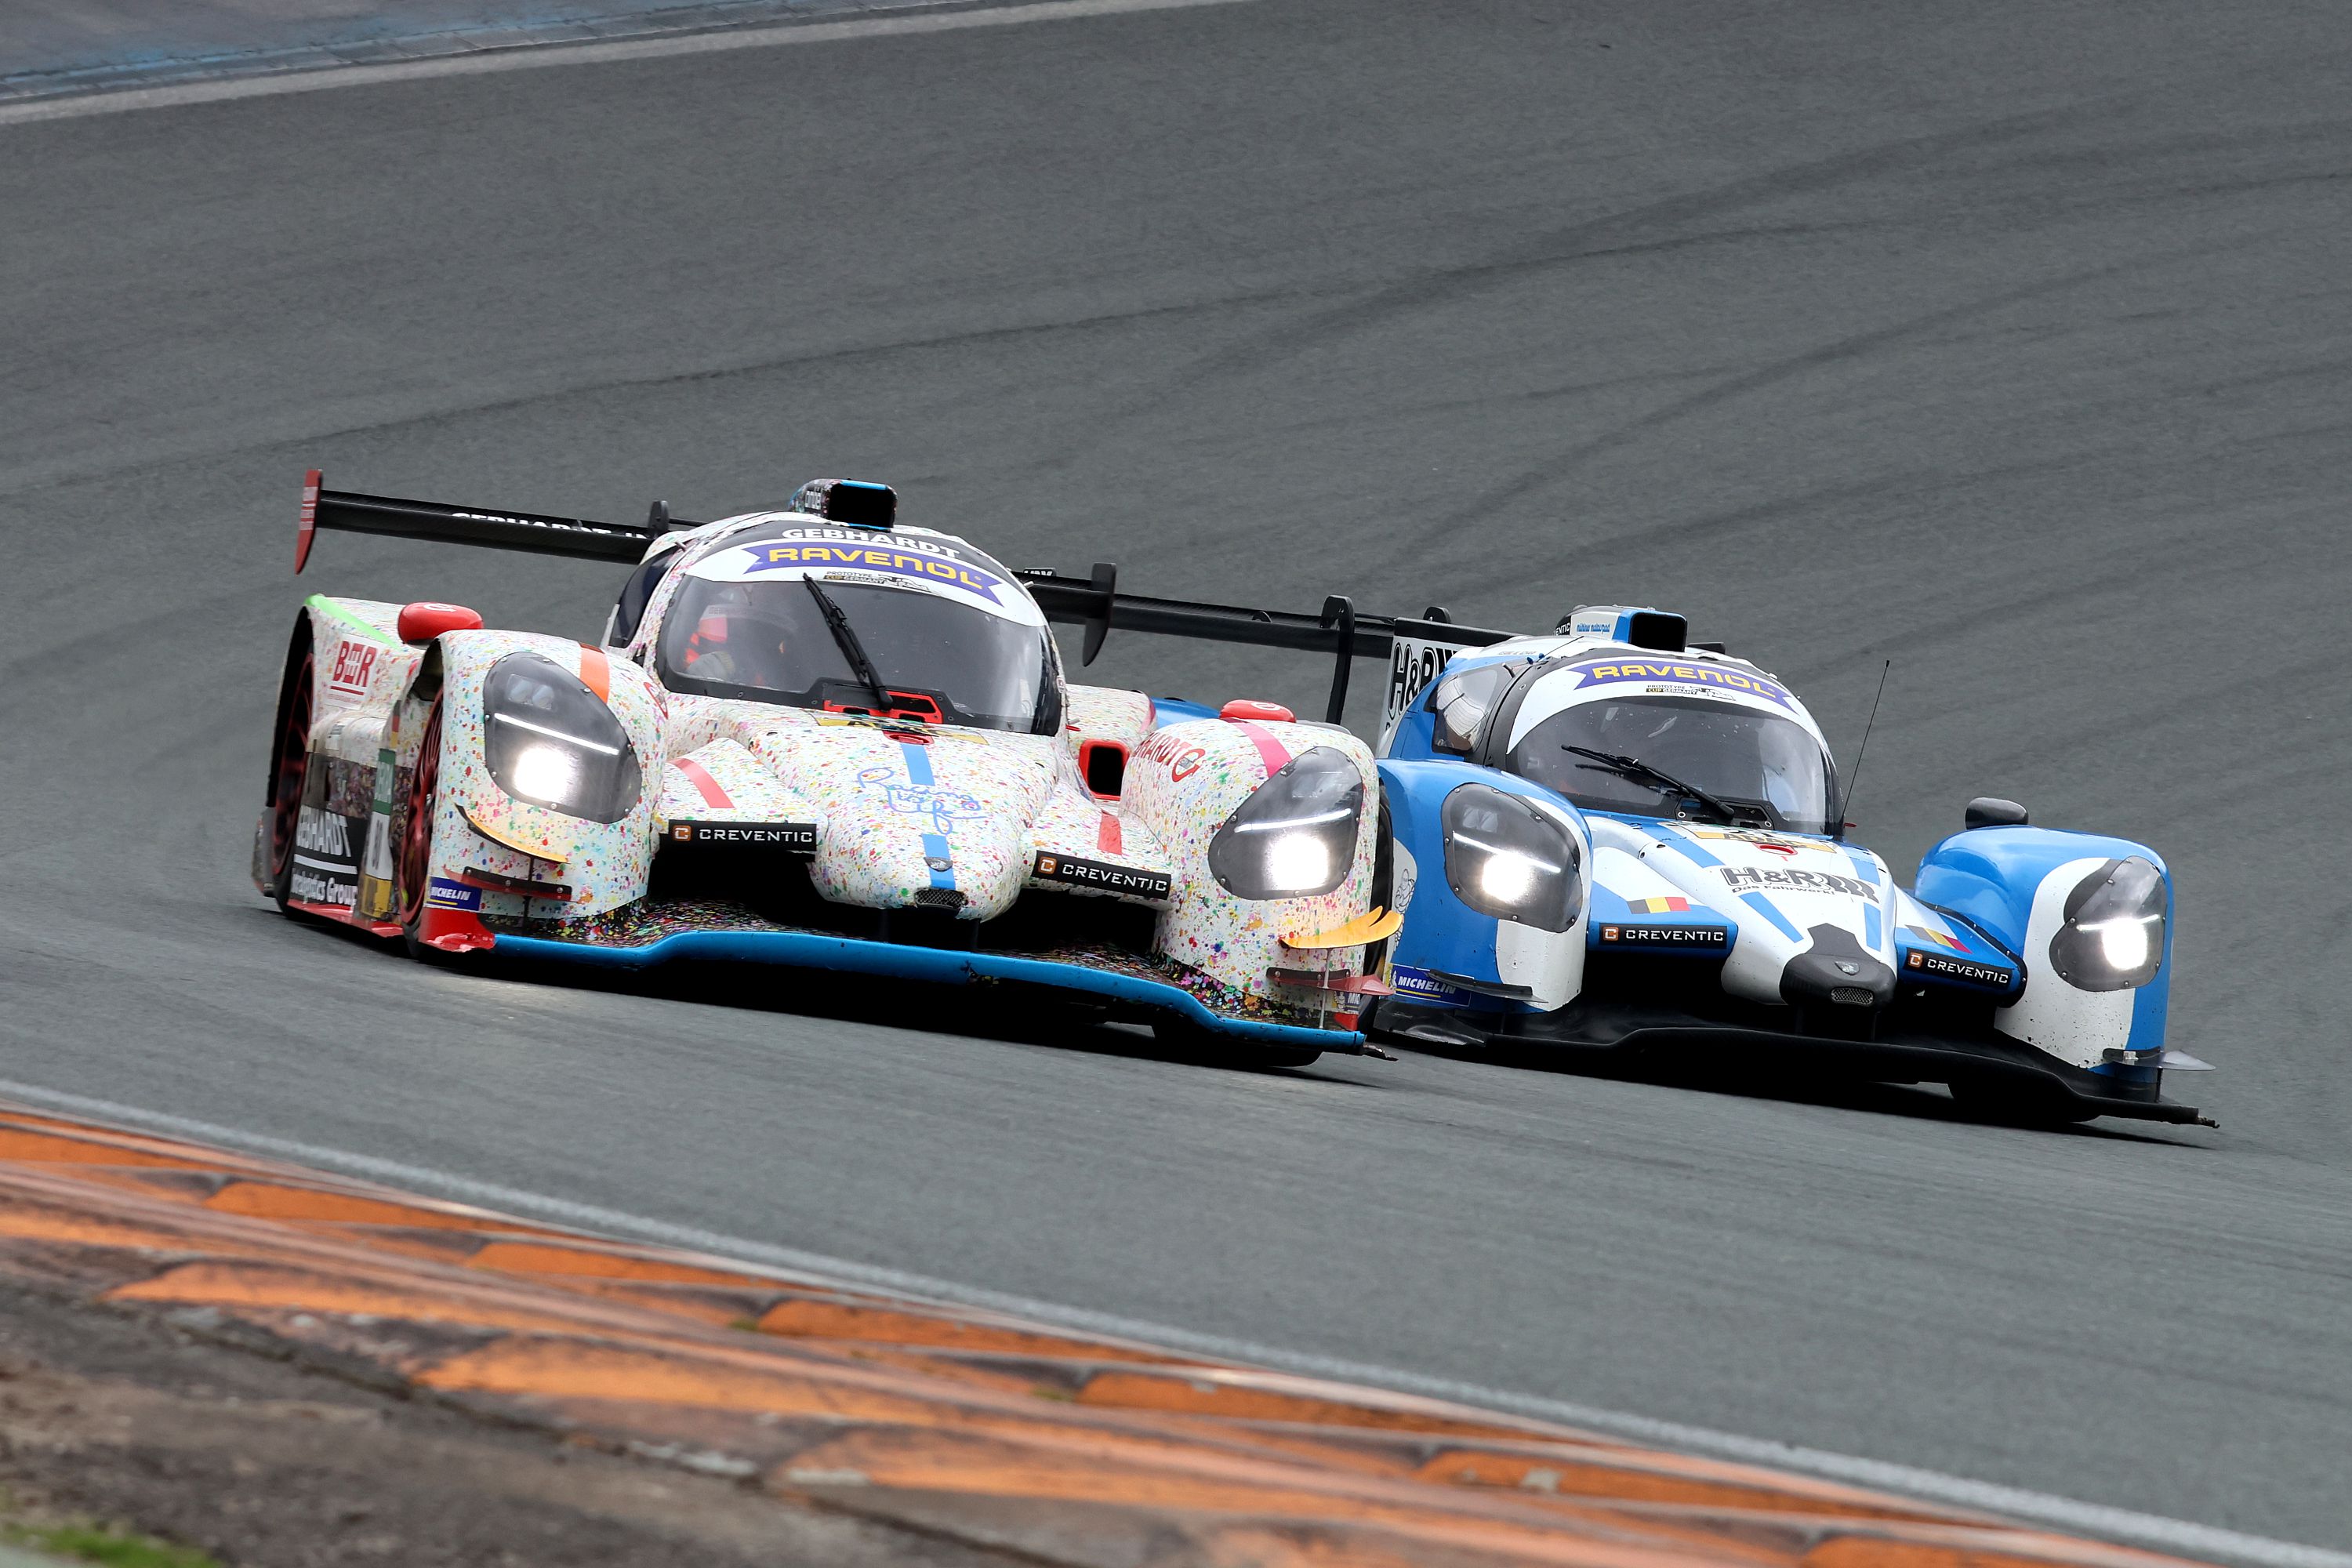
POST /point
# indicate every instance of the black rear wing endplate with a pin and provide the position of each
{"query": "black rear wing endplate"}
(1095, 602)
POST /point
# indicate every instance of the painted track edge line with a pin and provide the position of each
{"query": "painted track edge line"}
(2119, 1524)
(497, 59)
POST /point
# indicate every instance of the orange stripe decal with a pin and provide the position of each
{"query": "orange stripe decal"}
(597, 671)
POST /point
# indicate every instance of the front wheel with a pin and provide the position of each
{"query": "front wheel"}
(413, 867)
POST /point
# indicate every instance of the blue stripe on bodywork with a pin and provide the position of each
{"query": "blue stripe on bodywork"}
(1873, 926)
(1763, 906)
(1684, 845)
(1863, 865)
(810, 950)
(936, 850)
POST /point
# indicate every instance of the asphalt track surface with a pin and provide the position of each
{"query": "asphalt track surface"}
(2008, 342)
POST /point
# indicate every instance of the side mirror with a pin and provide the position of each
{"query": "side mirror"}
(1991, 811)
(427, 618)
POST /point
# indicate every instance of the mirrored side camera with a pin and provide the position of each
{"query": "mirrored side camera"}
(1991, 811)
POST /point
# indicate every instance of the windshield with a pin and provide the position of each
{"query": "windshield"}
(769, 642)
(1769, 769)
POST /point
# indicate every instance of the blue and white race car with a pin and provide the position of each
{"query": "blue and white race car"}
(1609, 839)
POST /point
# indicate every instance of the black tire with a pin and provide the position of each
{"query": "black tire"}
(1383, 883)
(290, 768)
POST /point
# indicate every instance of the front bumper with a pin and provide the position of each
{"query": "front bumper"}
(1900, 1056)
(940, 966)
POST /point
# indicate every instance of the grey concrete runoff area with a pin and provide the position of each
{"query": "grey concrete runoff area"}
(2006, 341)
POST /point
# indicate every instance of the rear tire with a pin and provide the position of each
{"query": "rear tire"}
(412, 867)
(290, 773)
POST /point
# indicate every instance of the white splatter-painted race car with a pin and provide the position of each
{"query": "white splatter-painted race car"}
(818, 737)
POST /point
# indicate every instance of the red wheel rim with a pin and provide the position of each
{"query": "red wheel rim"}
(416, 827)
(293, 771)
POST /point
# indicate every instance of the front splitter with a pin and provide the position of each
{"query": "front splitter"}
(938, 966)
(1906, 1059)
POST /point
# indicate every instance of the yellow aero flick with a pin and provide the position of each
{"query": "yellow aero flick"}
(1374, 924)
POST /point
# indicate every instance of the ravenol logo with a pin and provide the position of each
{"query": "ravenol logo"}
(898, 562)
(1685, 674)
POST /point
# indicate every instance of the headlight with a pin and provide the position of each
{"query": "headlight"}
(1295, 837)
(2114, 936)
(1505, 858)
(550, 741)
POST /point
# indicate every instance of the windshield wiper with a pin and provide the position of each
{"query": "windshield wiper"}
(845, 637)
(1636, 769)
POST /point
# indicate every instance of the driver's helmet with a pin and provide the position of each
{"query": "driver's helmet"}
(727, 644)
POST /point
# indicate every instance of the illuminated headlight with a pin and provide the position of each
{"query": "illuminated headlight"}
(1505, 858)
(545, 772)
(2114, 936)
(1295, 837)
(552, 741)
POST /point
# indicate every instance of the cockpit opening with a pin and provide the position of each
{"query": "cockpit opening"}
(1683, 757)
(933, 657)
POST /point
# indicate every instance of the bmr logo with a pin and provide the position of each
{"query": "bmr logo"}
(353, 667)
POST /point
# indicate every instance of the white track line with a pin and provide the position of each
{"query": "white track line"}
(2013, 1502)
(531, 56)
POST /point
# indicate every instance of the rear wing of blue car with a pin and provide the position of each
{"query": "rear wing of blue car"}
(1095, 602)
(1414, 646)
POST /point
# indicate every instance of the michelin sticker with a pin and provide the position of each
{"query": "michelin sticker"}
(1411, 982)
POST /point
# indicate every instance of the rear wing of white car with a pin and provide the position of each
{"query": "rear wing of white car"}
(1414, 648)
(347, 512)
